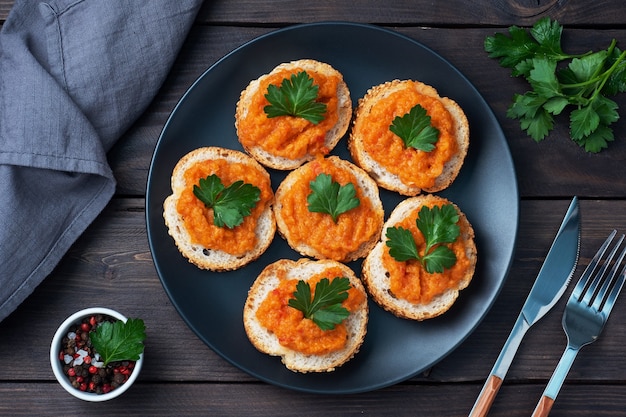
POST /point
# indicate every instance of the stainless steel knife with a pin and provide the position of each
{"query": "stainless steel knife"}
(551, 282)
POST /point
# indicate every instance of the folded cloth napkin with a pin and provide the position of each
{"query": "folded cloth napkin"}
(74, 75)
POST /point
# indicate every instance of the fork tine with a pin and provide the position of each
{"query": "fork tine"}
(608, 282)
(591, 268)
(591, 290)
(610, 300)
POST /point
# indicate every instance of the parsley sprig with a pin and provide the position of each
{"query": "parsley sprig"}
(415, 129)
(328, 196)
(325, 307)
(438, 226)
(584, 82)
(119, 341)
(230, 204)
(295, 97)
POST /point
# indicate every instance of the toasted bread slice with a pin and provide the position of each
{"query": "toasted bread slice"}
(262, 220)
(437, 176)
(316, 234)
(376, 277)
(290, 155)
(267, 342)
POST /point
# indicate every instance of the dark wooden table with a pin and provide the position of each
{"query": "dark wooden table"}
(111, 264)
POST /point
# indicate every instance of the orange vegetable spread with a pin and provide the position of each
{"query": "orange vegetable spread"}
(414, 167)
(410, 281)
(296, 332)
(318, 230)
(198, 219)
(288, 136)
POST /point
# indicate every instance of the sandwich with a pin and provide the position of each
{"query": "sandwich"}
(318, 336)
(295, 113)
(408, 138)
(426, 256)
(329, 209)
(220, 210)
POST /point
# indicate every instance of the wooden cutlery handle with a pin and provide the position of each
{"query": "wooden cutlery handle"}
(486, 397)
(543, 407)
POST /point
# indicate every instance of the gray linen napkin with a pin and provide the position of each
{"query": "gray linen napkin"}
(74, 75)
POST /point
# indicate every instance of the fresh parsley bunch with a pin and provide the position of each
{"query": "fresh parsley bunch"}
(583, 82)
(438, 226)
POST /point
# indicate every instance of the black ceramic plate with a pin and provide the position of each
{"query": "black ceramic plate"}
(486, 190)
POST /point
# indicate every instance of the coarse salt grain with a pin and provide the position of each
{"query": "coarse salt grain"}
(80, 358)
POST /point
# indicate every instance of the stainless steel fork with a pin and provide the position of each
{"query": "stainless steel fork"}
(586, 313)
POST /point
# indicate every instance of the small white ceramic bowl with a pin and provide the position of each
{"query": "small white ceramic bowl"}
(57, 366)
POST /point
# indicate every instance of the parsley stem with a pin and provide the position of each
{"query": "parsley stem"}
(603, 77)
(608, 73)
(611, 47)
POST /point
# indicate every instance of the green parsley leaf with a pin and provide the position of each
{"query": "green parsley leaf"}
(415, 129)
(597, 140)
(587, 67)
(543, 79)
(526, 105)
(439, 258)
(606, 109)
(230, 204)
(517, 50)
(539, 125)
(616, 82)
(329, 197)
(119, 341)
(548, 33)
(401, 244)
(295, 97)
(584, 84)
(325, 307)
(583, 121)
(534, 113)
(555, 105)
(438, 226)
(513, 49)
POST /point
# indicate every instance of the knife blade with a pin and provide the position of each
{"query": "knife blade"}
(550, 284)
